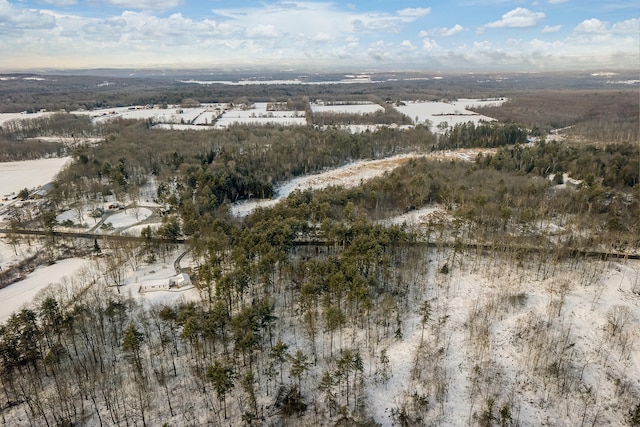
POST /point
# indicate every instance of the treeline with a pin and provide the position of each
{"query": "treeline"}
(615, 165)
(19, 137)
(387, 116)
(603, 116)
(56, 124)
(490, 203)
(483, 134)
(12, 150)
(200, 171)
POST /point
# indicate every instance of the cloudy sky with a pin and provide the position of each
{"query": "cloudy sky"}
(469, 35)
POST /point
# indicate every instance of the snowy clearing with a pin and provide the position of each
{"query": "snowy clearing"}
(14, 176)
(128, 218)
(347, 176)
(363, 108)
(259, 114)
(7, 117)
(15, 296)
(439, 113)
(72, 271)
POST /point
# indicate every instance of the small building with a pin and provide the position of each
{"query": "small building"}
(178, 282)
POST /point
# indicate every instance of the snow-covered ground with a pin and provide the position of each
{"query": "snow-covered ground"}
(19, 294)
(259, 115)
(223, 115)
(490, 332)
(438, 113)
(498, 331)
(25, 293)
(14, 176)
(6, 117)
(128, 218)
(173, 114)
(361, 108)
(347, 176)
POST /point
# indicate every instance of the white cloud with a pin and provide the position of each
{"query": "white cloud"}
(299, 33)
(143, 4)
(550, 29)
(13, 19)
(60, 3)
(442, 32)
(429, 45)
(591, 26)
(630, 26)
(407, 45)
(557, 1)
(322, 37)
(596, 26)
(416, 12)
(517, 18)
(264, 32)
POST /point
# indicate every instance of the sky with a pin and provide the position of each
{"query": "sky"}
(463, 35)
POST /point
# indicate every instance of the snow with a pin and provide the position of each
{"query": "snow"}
(173, 114)
(462, 300)
(349, 79)
(418, 217)
(225, 122)
(452, 113)
(171, 126)
(6, 117)
(128, 218)
(517, 309)
(363, 108)
(207, 116)
(19, 294)
(24, 292)
(242, 82)
(258, 114)
(14, 176)
(348, 176)
(158, 272)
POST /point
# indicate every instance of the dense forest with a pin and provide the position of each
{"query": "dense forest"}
(309, 309)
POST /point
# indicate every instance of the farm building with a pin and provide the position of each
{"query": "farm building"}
(180, 281)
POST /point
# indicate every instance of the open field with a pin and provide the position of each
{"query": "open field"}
(30, 174)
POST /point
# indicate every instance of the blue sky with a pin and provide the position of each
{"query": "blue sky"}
(455, 35)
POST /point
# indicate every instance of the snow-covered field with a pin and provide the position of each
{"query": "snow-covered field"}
(348, 176)
(25, 293)
(361, 108)
(173, 114)
(226, 121)
(223, 115)
(6, 117)
(259, 115)
(348, 79)
(15, 296)
(207, 116)
(437, 113)
(14, 176)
